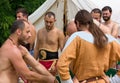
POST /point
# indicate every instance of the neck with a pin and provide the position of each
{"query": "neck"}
(107, 22)
(13, 40)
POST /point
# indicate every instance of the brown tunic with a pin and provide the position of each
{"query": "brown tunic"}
(86, 59)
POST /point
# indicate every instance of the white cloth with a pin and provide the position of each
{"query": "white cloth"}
(115, 79)
(67, 81)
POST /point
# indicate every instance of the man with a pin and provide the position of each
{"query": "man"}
(97, 14)
(70, 29)
(21, 13)
(89, 53)
(49, 41)
(113, 26)
(13, 58)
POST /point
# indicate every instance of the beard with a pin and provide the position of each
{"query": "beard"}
(21, 42)
(25, 44)
(106, 18)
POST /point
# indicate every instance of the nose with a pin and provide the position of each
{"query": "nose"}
(48, 24)
(29, 34)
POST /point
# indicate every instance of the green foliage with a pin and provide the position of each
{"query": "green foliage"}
(7, 13)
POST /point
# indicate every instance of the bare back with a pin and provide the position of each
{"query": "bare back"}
(51, 40)
(7, 71)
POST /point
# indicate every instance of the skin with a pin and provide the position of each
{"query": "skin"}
(14, 57)
(49, 37)
(112, 26)
(70, 29)
(31, 40)
(97, 17)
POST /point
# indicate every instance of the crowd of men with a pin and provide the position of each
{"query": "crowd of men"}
(89, 48)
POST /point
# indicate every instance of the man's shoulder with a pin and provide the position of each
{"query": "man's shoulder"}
(9, 51)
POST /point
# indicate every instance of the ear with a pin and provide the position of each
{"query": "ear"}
(55, 20)
(77, 23)
(18, 31)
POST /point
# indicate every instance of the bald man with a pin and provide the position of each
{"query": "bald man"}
(70, 29)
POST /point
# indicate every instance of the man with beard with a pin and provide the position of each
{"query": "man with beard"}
(49, 40)
(21, 13)
(113, 26)
(13, 58)
(97, 14)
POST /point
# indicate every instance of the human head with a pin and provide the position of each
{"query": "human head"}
(71, 28)
(96, 14)
(22, 30)
(49, 20)
(21, 13)
(84, 18)
(84, 22)
(106, 13)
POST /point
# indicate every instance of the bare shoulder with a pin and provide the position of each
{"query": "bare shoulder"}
(10, 51)
(59, 31)
(115, 23)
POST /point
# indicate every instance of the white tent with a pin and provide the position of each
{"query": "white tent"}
(65, 10)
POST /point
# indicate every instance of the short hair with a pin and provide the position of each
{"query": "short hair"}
(50, 14)
(23, 11)
(97, 10)
(107, 8)
(18, 24)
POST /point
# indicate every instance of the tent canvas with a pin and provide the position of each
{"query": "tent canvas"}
(65, 10)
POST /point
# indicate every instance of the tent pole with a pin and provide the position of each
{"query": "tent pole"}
(65, 16)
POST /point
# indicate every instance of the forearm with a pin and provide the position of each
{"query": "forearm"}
(33, 76)
(42, 70)
(36, 53)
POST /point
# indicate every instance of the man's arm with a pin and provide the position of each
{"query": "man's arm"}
(102, 27)
(61, 40)
(20, 66)
(115, 30)
(36, 49)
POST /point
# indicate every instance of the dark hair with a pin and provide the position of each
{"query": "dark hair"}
(83, 17)
(107, 8)
(97, 10)
(50, 14)
(23, 11)
(18, 24)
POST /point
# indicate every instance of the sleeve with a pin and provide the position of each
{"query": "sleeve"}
(116, 78)
(67, 81)
(67, 56)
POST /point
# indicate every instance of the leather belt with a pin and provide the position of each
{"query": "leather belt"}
(91, 79)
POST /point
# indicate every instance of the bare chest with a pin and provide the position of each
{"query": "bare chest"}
(48, 38)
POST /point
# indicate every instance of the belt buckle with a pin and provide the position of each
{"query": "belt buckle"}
(43, 53)
(96, 79)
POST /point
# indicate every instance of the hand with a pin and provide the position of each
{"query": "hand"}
(23, 50)
(75, 80)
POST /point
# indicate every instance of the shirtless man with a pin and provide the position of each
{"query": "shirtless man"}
(97, 14)
(113, 26)
(21, 13)
(49, 40)
(70, 29)
(13, 58)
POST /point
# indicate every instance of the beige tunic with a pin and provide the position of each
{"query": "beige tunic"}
(87, 60)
